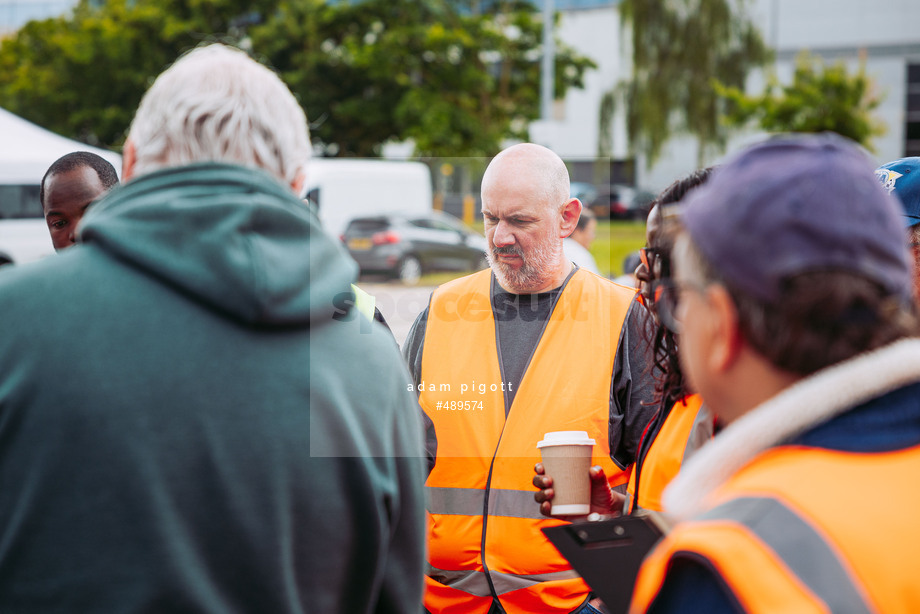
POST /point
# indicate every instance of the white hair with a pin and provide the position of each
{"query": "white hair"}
(216, 104)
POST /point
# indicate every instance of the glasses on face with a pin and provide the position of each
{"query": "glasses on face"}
(667, 297)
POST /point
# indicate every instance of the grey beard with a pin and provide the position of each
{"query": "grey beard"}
(535, 271)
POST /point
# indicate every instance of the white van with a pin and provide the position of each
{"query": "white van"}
(343, 189)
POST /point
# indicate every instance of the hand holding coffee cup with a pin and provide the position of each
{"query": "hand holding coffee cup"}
(567, 458)
(568, 486)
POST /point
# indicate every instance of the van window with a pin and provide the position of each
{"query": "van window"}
(19, 202)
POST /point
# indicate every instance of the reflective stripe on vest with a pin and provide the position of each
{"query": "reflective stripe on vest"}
(485, 460)
(686, 427)
(476, 582)
(805, 547)
(800, 547)
(470, 502)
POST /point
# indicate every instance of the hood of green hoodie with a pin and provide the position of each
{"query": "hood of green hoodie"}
(231, 237)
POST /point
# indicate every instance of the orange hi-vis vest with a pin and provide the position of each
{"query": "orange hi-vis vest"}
(672, 444)
(791, 533)
(484, 539)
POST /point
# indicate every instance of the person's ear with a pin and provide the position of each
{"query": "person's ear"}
(128, 160)
(725, 335)
(571, 211)
(298, 183)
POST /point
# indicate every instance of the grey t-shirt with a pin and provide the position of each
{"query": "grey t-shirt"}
(520, 320)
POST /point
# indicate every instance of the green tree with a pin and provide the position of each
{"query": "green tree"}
(83, 75)
(366, 72)
(457, 84)
(820, 98)
(678, 48)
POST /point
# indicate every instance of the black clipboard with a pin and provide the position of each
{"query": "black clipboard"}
(608, 553)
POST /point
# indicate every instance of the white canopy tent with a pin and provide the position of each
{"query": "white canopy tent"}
(27, 150)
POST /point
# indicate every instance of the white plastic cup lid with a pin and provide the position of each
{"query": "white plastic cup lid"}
(566, 438)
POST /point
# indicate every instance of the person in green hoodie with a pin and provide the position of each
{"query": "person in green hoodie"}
(188, 422)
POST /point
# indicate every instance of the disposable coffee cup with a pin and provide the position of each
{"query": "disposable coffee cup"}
(567, 459)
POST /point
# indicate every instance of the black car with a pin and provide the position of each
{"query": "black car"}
(404, 245)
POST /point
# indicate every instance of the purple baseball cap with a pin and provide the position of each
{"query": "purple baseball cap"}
(902, 178)
(797, 204)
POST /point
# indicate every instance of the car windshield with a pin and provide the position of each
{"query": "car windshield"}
(441, 223)
(368, 225)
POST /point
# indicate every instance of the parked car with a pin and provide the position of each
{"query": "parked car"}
(405, 245)
(588, 195)
(627, 202)
(346, 188)
(583, 191)
(642, 203)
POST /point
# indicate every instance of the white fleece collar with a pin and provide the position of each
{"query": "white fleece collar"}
(796, 409)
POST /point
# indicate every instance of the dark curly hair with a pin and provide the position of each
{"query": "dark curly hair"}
(669, 379)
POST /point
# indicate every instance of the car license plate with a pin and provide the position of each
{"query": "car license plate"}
(359, 243)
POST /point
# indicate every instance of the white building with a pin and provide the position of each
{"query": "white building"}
(886, 33)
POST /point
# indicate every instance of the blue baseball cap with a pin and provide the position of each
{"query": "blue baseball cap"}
(902, 177)
(798, 204)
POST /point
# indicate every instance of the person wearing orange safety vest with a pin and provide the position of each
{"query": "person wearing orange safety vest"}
(501, 357)
(792, 293)
(670, 438)
(682, 423)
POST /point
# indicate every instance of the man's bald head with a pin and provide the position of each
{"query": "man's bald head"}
(527, 212)
(532, 165)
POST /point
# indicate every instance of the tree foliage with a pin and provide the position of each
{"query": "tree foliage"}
(678, 48)
(820, 98)
(366, 72)
(379, 70)
(83, 75)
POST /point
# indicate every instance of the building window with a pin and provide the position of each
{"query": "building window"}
(912, 127)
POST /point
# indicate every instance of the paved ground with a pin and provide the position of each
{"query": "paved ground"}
(399, 304)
